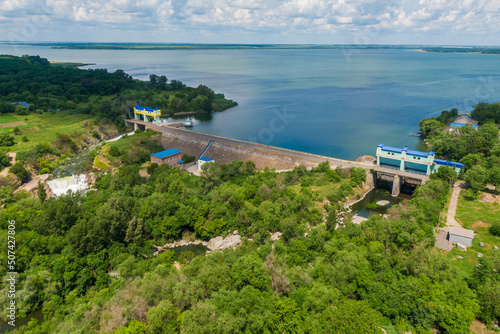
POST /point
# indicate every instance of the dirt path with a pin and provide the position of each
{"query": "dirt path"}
(11, 124)
(452, 209)
(12, 161)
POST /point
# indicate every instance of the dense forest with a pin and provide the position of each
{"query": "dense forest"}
(87, 259)
(49, 86)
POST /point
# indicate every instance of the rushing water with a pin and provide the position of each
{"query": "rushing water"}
(74, 183)
(330, 102)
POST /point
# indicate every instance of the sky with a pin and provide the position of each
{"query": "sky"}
(429, 22)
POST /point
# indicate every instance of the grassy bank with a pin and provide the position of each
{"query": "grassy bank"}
(43, 128)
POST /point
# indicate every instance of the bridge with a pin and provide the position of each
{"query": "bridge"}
(224, 150)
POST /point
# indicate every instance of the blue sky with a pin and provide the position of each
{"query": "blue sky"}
(448, 22)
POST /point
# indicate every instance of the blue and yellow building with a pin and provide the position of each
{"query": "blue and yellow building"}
(408, 160)
(146, 113)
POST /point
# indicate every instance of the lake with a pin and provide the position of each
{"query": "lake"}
(330, 102)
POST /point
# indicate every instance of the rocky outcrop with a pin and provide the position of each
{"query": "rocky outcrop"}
(219, 243)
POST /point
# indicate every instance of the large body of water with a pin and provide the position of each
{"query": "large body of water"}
(330, 102)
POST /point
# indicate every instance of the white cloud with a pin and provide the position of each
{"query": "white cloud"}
(264, 17)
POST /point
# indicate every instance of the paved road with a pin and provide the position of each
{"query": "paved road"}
(452, 208)
(282, 151)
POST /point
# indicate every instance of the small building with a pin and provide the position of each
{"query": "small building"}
(146, 113)
(408, 160)
(203, 160)
(461, 121)
(170, 157)
(22, 104)
(461, 235)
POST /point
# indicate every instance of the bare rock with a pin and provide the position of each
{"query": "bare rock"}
(275, 236)
(218, 243)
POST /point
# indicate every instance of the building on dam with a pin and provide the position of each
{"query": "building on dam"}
(408, 160)
(146, 113)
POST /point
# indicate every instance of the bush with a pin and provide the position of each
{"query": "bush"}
(495, 229)
(19, 170)
(6, 140)
(4, 159)
(25, 139)
(187, 158)
(114, 151)
(20, 110)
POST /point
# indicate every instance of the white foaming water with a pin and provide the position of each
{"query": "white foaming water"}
(64, 184)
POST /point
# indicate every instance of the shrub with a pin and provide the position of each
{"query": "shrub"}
(114, 151)
(6, 139)
(495, 229)
(187, 158)
(25, 139)
(4, 159)
(19, 170)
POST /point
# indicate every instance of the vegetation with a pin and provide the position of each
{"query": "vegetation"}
(95, 91)
(478, 150)
(91, 254)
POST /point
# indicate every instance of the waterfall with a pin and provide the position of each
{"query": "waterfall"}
(64, 184)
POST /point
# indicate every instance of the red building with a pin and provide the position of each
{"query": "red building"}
(170, 157)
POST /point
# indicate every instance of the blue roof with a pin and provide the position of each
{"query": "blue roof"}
(145, 108)
(206, 159)
(400, 150)
(449, 163)
(419, 154)
(390, 149)
(166, 153)
(459, 125)
(22, 104)
(180, 161)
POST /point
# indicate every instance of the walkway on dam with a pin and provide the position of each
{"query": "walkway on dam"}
(313, 158)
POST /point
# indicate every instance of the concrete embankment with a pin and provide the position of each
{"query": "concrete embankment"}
(225, 150)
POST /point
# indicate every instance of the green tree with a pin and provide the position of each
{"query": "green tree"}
(431, 127)
(6, 139)
(114, 151)
(42, 193)
(4, 159)
(188, 158)
(445, 173)
(476, 177)
(163, 318)
(19, 170)
(489, 295)
(495, 229)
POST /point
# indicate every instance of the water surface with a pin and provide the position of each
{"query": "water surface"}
(339, 103)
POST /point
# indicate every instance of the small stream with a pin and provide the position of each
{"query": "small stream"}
(367, 206)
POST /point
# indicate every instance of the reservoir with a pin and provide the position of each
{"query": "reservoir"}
(332, 102)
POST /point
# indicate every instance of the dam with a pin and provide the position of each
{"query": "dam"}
(225, 150)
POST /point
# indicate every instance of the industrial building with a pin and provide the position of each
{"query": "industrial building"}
(408, 160)
(171, 157)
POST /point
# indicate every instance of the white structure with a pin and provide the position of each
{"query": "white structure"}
(461, 235)
(202, 161)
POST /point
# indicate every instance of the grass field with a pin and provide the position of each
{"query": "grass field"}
(42, 128)
(8, 118)
(477, 216)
